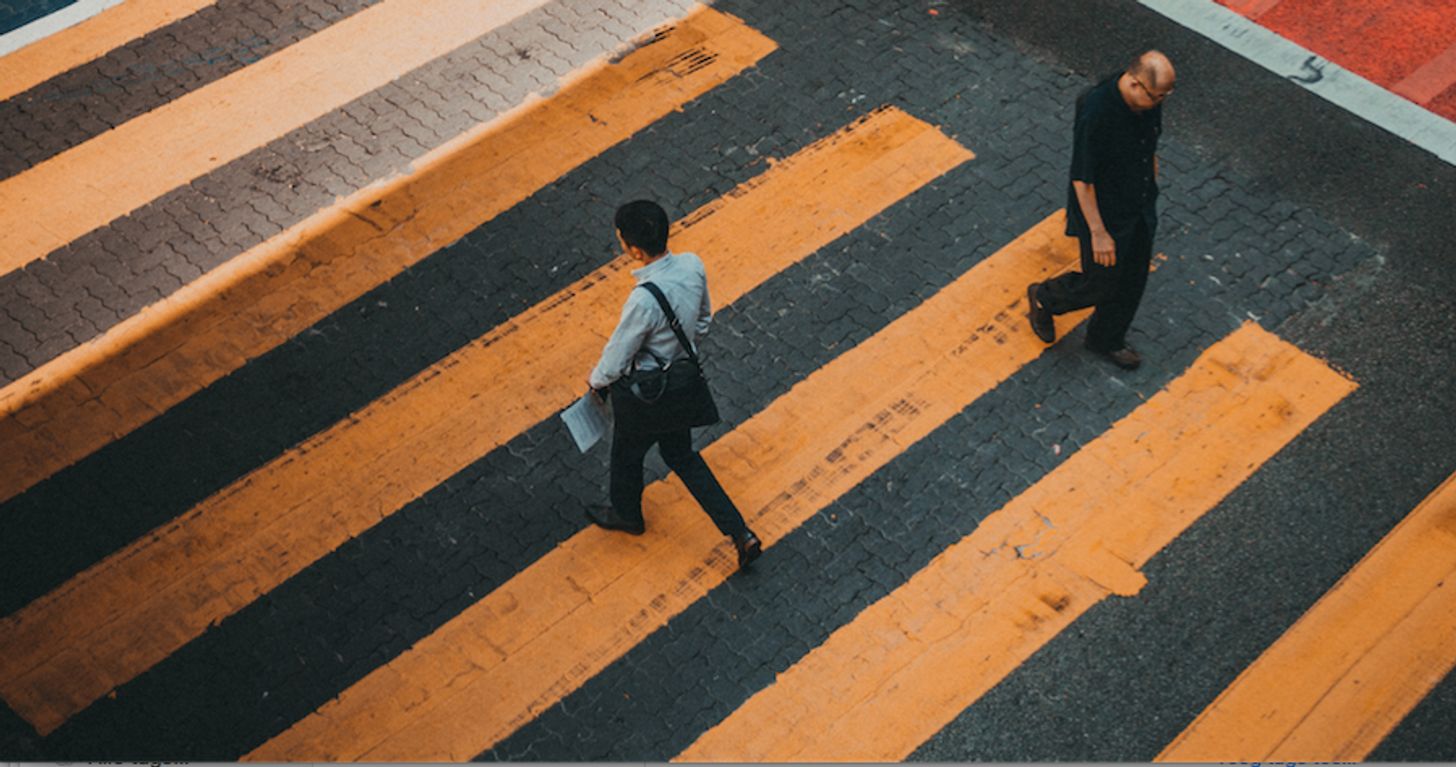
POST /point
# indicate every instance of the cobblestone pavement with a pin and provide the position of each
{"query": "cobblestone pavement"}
(90, 285)
(355, 629)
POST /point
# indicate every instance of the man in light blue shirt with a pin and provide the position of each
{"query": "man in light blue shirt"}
(643, 340)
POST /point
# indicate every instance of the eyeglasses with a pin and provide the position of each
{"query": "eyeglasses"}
(1157, 98)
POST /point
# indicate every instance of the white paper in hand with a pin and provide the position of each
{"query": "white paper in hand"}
(588, 419)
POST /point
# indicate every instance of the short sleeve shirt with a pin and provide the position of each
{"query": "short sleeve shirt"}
(1113, 149)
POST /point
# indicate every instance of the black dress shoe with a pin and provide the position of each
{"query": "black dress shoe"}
(749, 548)
(1125, 358)
(1042, 323)
(605, 520)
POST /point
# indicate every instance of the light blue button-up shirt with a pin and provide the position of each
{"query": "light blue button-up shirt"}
(643, 330)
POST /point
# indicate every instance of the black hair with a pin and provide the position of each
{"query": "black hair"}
(643, 224)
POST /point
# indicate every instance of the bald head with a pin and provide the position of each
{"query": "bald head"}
(1155, 70)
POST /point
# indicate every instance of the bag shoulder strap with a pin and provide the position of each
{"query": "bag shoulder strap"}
(672, 320)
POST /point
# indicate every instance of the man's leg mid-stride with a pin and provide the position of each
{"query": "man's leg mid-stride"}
(628, 453)
(678, 454)
(1115, 292)
(1107, 329)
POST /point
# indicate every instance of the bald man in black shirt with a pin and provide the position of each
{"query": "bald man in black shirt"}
(1111, 208)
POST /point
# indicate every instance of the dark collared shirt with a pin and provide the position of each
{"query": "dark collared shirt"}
(1112, 149)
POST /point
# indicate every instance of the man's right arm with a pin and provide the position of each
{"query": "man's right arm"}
(1104, 249)
(622, 347)
(1085, 148)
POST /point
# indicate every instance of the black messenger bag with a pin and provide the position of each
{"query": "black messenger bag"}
(671, 398)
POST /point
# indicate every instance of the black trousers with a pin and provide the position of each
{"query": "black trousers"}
(1114, 290)
(628, 452)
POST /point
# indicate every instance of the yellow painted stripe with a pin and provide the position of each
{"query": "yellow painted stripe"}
(1352, 667)
(103, 390)
(557, 623)
(907, 665)
(131, 610)
(90, 185)
(91, 39)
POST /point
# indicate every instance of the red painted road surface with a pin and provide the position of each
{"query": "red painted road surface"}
(1407, 46)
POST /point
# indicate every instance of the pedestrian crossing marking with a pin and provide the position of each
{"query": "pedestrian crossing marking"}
(908, 664)
(103, 390)
(560, 621)
(94, 183)
(128, 612)
(1351, 669)
(89, 40)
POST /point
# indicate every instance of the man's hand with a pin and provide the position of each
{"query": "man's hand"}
(1104, 249)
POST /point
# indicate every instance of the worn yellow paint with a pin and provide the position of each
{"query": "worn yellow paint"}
(1339, 680)
(103, 390)
(89, 40)
(134, 608)
(908, 664)
(557, 623)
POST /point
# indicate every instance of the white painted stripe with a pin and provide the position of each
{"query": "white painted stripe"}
(45, 26)
(1325, 79)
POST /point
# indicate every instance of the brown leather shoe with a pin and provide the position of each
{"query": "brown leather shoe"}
(1125, 358)
(1042, 323)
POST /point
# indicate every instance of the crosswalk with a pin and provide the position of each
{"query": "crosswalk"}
(904, 668)
(100, 391)
(27, 67)
(880, 685)
(224, 120)
(1353, 666)
(270, 524)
